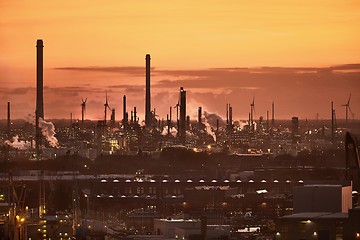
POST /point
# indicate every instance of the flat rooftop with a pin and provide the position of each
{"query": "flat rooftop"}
(316, 215)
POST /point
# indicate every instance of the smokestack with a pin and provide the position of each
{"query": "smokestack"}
(39, 79)
(227, 114)
(267, 120)
(170, 114)
(230, 118)
(135, 118)
(39, 113)
(147, 100)
(8, 121)
(187, 122)
(125, 120)
(182, 131)
(273, 115)
(295, 127)
(332, 122)
(168, 123)
(83, 109)
(199, 116)
(132, 117)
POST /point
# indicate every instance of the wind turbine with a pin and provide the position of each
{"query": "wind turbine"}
(347, 108)
(83, 109)
(106, 106)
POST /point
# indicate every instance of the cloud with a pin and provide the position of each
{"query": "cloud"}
(128, 88)
(129, 70)
(17, 91)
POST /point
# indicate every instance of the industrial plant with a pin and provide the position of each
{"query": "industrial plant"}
(177, 176)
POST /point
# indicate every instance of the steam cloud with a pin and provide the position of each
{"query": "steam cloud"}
(209, 129)
(20, 144)
(210, 120)
(48, 131)
(212, 117)
(173, 131)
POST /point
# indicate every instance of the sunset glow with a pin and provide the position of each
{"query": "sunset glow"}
(215, 49)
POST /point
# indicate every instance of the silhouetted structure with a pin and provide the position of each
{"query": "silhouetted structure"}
(106, 106)
(39, 113)
(252, 113)
(148, 117)
(352, 160)
(8, 121)
(135, 117)
(125, 114)
(229, 123)
(347, 108)
(273, 115)
(332, 121)
(112, 118)
(182, 127)
(230, 118)
(199, 117)
(295, 128)
(83, 110)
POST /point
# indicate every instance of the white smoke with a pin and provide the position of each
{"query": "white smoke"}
(213, 117)
(209, 129)
(20, 144)
(164, 131)
(48, 131)
(173, 131)
(30, 118)
(243, 123)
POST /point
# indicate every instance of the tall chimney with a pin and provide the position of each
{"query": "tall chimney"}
(39, 79)
(168, 123)
(8, 121)
(227, 114)
(125, 120)
(39, 113)
(170, 114)
(147, 100)
(273, 115)
(182, 131)
(230, 118)
(135, 117)
(332, 122)
(199, 116)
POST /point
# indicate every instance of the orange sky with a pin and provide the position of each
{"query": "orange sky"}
(179, 35)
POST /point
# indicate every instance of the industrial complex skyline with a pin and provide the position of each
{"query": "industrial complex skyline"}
(193, 120)
(92, 61)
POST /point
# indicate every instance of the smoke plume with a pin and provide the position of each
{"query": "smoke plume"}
(173, 131)
(20, 144)
(209, 129)
(48, 131)
(211, 118)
